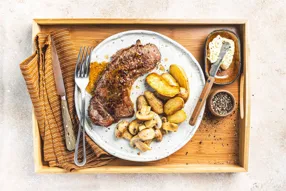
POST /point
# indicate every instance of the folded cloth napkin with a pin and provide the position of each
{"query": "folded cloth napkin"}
(38, 74)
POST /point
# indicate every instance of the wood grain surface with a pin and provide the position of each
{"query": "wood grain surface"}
(220, 144)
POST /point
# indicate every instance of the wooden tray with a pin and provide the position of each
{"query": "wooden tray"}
(219, 145)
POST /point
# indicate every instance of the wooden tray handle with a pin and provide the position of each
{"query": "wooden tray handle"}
(202, 100)
(241, 96)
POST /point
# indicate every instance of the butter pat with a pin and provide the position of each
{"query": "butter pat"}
(214, 48)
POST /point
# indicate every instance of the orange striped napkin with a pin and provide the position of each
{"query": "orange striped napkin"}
(38, 74)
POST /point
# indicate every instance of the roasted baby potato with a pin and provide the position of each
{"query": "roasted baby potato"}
(180, 76)
(158, 83)
(183, 94)
(170, 79)
(154, 102)
(141, 101)
(177, 117)
(161, 97)
(173, 105)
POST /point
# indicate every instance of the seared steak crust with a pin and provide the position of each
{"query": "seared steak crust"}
(111, 100)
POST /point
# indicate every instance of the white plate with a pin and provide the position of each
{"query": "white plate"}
(172, 53)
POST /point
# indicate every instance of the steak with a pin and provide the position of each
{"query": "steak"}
(111, 100)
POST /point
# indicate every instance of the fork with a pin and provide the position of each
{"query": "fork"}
(81, 79)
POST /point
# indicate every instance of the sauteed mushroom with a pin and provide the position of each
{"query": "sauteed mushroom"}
(142, 146)
(133, 140)
(127, 135)
(148, 142)
(155, 122)
(146, 134)
(121, 128)
(145, 113)
(134, 127)
(158, 135)
(164, 119)
(167, 126)
(136, 142)
(141, 127)
(151, 123)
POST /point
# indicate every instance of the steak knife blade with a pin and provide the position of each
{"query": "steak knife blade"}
(57, 71)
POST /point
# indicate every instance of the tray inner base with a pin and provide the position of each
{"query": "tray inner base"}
(217, 139)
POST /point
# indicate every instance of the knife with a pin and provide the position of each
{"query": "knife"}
(67, 123)
(209, 83)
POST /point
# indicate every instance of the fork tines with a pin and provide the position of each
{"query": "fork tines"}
(83, 61)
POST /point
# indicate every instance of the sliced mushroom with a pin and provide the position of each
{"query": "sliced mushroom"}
(151, 123)
(167, 126)
(161, 97)
(121, 128)
(133, 140)
(146, 134)
(148, 142)
(164, 119)
(159, 121)
(126, 135)
(158, 135)
(136, 142)
(155, 122)
(133, 127)
(142, 146)
(118, 134)
(145, 114)
(141, 127)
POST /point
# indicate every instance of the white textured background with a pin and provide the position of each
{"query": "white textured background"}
(267, 19)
